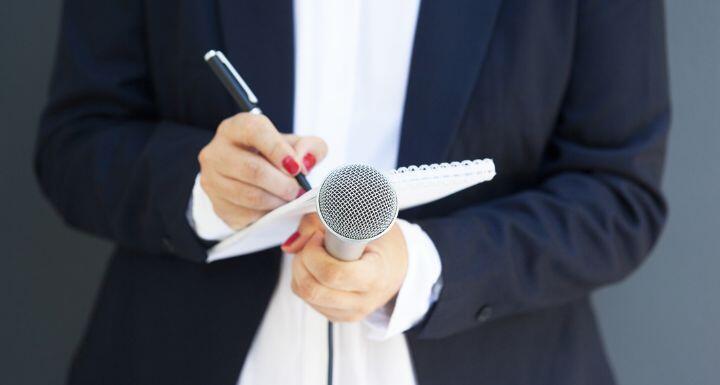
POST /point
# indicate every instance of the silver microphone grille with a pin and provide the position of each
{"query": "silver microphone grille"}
(357, 202)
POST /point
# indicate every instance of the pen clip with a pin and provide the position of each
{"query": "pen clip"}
(251, 96)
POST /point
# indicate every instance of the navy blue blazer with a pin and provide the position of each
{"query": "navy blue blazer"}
(569, 97)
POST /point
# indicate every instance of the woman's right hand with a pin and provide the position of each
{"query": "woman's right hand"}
(248, 168)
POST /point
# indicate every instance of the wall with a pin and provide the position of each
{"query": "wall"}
(48, 274)
(662, 326)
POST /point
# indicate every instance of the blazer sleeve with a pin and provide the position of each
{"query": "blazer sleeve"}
(597, 209)
(104, 158)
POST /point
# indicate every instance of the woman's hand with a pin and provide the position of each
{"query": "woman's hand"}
(346, 291)
(248, 167)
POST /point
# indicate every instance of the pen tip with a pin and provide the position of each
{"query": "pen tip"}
(303, 182)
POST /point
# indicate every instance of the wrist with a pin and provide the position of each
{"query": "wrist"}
(202, 217)
(418, 291)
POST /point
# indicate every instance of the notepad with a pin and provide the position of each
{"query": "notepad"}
(415, 186)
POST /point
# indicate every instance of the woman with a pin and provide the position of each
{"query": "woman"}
(490, 285)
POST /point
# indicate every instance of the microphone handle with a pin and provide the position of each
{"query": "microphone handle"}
(342, 248)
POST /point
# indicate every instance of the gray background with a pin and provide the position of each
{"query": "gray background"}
(661, 325)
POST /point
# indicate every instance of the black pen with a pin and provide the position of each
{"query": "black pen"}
(240, 91)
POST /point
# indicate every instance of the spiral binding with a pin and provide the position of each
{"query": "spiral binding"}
(425, 172)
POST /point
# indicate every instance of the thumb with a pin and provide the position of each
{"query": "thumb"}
(316, 241)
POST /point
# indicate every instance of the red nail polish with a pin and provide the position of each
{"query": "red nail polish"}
(290, 165)
(291, 239)
(309, 161)
(300, 193)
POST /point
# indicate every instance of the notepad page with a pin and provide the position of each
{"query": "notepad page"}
(415, 185)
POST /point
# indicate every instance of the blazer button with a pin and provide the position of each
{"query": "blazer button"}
(483, 314)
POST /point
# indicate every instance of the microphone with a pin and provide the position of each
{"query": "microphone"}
(357, 204)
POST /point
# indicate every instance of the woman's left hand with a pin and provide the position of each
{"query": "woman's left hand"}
(346, 291)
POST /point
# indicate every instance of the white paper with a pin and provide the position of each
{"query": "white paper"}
(415, 185)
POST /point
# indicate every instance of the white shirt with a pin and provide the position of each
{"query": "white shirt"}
(352, 62)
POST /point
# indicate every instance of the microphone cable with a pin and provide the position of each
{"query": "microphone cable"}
(330, 353)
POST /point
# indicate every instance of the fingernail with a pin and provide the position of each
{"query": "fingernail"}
(309, 161)
(291, 239)
(290, 165)
(300, 193)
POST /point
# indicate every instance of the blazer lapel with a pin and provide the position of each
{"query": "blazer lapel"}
(450, 44)
(258, 40)
(451, 40)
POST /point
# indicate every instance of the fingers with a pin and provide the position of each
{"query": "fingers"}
(346, 291)
(358, 276)
(258, 132)
(355, 276)
(309, 224)
(245, 166)
(246, 195)
(296, 242)
(309, 289)
(310, 149)
(248, 167)
(237, 217)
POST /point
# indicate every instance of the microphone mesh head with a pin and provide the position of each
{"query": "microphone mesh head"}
(357, 202)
